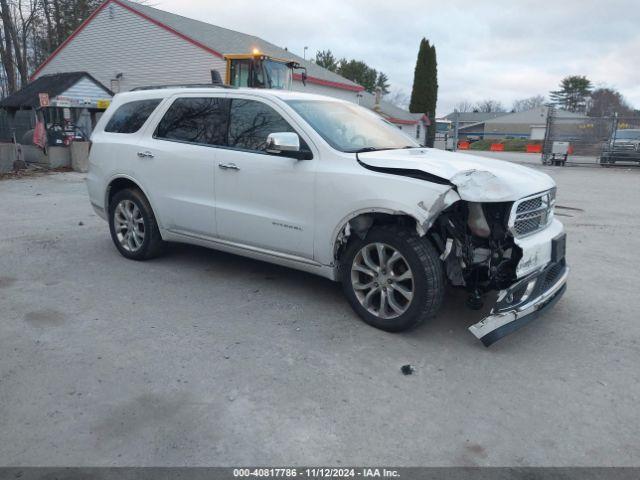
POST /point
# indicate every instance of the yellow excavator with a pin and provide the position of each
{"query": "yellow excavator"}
(257, 70)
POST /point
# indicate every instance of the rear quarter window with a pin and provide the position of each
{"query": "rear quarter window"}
(130, 117)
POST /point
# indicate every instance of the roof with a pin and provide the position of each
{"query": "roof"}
(391, 112)
(220, 41)
(167, 91)
(474, 117)
(472, 126)
(387, 110)
(532, 116)
(53, 85)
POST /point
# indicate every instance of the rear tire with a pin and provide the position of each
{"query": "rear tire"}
(133, 225)
(399, 292)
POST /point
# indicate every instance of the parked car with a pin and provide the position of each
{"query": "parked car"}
(327, 187)
(624, 145)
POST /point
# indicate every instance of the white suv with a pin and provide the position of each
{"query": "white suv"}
(328, 187)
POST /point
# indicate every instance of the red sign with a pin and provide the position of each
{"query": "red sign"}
(44, 99)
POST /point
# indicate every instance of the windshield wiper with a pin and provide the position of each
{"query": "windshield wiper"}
(374, 149)
(367, 149)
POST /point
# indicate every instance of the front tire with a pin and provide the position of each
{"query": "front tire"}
(393, 279)
(133, 226)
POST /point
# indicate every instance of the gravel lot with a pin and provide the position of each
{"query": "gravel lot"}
(204, 358)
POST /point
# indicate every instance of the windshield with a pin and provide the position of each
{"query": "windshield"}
(278, 74)
(628, 135)
(350, 128)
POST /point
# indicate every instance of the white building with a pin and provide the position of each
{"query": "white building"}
(126, 45)
(413, 124)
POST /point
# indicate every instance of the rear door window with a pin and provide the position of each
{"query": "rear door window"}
(195, 120)
(130, 117)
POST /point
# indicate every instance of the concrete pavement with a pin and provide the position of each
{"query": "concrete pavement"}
(204, 358)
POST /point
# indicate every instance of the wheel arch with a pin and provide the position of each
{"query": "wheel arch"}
(121, 182)
(361, 221)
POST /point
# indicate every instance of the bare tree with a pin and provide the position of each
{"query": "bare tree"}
(7, 47)
(489, 106)
(399, 98)
(524, 104)
(465, 106)
(606, 102)
(30, 30)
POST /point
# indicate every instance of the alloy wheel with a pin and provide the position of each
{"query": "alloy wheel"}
(382, 280)
(129, 225)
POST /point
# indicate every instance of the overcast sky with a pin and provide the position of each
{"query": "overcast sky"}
(501, 50)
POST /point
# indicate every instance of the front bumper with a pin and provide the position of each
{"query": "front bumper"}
(620, 157)
(524, 301)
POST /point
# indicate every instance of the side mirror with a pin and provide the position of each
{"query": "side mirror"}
(283, 142)
(286, 144)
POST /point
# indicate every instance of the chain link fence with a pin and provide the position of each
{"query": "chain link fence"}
(576, 139)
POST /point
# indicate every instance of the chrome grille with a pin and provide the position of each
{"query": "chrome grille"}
(532, 214)
(623, 147)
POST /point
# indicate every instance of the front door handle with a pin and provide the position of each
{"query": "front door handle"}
(146, 154)
(228, 166)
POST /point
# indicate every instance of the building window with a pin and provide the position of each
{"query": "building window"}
(418, 131)
(130, 117)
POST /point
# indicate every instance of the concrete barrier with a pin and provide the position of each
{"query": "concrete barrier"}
(7, 157)
(56, 157)
(80, 156)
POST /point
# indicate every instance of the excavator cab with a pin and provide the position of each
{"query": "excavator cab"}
(256, 70)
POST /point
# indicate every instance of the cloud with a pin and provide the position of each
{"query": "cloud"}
(501, 49)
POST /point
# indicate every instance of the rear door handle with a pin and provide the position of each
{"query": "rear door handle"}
(228, 166)
(146, 154)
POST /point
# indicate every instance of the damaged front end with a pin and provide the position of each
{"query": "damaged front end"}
(516, 248)
(495, 228)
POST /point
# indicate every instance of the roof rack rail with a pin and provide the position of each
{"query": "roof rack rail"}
(181, 85)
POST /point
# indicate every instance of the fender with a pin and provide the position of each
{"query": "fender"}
(139, 185)
(422, 215)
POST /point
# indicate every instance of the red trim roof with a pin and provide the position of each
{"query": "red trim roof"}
(318, 81)
(327, 83)
(71, 37)
(401, 121)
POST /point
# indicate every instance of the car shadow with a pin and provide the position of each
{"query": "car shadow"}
(449, 325)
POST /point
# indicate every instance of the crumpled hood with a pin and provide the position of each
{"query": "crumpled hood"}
(477, 179)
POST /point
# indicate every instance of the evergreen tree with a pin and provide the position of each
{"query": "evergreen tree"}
(383, 83)
(359, 72)
(355, 70)
(573, 93)
(325, 59)
(424, 95)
